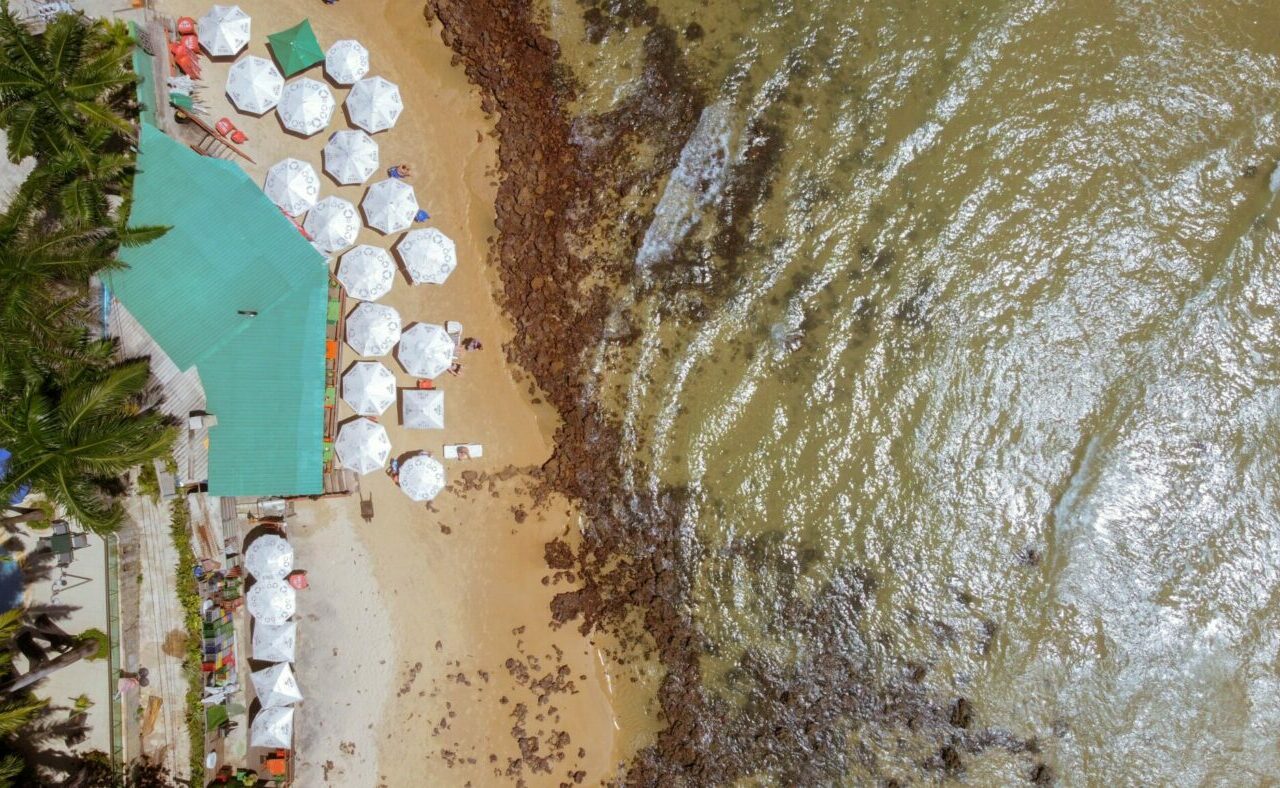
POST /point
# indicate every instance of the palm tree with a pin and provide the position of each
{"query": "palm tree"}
(63, 93)
(16, 711)
(44, 286)
(74, 434)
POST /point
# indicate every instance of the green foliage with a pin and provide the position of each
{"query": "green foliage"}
(189, 596)
(83, 702)
(99, 637)
(149, 482)
(63, 93)
(74, 434)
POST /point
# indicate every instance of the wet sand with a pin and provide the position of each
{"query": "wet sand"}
(425, 651)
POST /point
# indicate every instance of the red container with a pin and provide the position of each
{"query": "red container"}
(186, 25)
(191, 42)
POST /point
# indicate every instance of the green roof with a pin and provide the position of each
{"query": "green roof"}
(230, 249)
(296, 49)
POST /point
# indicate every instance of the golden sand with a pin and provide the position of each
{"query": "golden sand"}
(411, 619)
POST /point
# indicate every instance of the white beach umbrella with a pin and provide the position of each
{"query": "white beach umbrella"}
(275, 642)
(374, 104)
(306, 106)
(224, 30)
(424, 409)
(390, 206)
(421, 477)
(426, 350)
(272, 728)
(333, 224)
(366, 272)
(254, 84)
(271, 601)
(362, 445)
(346, 61)
(350, 156)
(293, 185)
(429, 256)
(276, 685)
(373, 329)
(269, 557)
(369, 388)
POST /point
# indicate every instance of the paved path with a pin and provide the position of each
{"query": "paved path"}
(160, 615)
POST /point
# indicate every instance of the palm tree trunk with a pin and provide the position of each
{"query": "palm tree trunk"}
(53, 666)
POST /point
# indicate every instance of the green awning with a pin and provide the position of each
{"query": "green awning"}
(296, 49)
(235, 290)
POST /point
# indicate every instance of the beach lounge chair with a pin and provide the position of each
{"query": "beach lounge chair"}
(454, 329)
(476, 450)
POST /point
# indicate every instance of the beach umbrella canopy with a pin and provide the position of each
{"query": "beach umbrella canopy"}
(362, 445)
(366, 272)
(272, 728)
(332, 224)
(224, 30)
(276, 685)
(429, 256)
(373, 329)
(296, 49)
(426, 350)
(293, 185)
(254, 84)
(346, 61)
(421, 477)
(275, 642)
(271, 601)
(306, 106)
(350, 156)
(374, 104)
(269, 557)
(424, 409)
(390, 205)
(369, 388)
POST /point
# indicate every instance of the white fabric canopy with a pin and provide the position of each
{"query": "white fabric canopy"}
(374, 104)
(272, 728)
(269, 557)
(224, 30)
(426, 350)
(424, 409)
(366, 272)
(350, 156)
(333, 224)
(275, 642)
(369, 388)
(293, 185)
(346, 61)
(306, 106)
(429, 256)
(276, 685)
(362, 445)
(373, 329)
(254, 84)
(390, 206)
(421, 477)
(271, 601)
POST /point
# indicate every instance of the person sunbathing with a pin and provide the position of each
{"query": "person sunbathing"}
(402, 171)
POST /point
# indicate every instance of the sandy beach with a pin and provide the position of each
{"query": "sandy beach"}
(425, 652)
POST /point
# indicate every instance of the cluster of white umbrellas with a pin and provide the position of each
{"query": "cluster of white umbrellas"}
(272, 603)
(373, 104)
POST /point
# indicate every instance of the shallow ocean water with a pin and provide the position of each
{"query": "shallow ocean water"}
(1004, 336)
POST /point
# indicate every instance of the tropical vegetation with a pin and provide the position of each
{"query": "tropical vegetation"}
(74, 416)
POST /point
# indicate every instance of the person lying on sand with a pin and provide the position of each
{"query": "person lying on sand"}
(402, 171)
(471, 343)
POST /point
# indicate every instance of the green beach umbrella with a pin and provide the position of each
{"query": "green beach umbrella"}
(296, 49)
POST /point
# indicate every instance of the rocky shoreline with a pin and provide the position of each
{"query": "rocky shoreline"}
(565, 245)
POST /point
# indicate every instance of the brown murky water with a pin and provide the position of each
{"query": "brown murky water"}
(1001, 332)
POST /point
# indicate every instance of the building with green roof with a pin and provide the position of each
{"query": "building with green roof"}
(235, 290)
